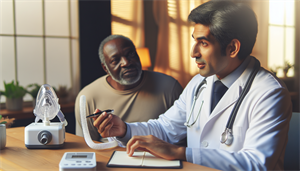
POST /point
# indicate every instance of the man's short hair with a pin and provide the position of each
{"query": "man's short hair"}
(107, 39)
(227, 21)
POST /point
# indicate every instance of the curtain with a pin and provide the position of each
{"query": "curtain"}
(127, 17)
(175, 39)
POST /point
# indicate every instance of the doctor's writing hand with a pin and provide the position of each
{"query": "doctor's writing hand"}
(109, 125)
(156, 147)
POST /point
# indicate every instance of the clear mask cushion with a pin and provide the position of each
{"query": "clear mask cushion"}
(47, 106)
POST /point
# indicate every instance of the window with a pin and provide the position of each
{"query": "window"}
(39, 42)
(175, 39)
(128, 20)
(180, 36)
(281, 47)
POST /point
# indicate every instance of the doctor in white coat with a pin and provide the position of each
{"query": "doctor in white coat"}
(224, 35)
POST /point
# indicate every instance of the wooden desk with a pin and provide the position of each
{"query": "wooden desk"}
(15, 156)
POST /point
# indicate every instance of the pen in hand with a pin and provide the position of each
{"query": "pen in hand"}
(99, 113)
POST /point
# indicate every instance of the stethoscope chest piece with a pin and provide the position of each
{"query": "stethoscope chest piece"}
(226, 137)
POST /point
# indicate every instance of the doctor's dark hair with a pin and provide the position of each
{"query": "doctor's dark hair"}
(227, 21)
(107, 39)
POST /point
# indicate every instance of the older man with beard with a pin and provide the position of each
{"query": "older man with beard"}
(134, 95)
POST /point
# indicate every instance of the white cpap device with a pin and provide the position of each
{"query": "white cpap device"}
(46, 134)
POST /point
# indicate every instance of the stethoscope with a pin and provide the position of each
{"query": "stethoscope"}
(193, 105)
(226, 136)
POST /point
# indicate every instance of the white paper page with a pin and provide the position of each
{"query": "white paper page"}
(122, 158)
(150, 160)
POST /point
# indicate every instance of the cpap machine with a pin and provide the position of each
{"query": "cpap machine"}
(46, 134)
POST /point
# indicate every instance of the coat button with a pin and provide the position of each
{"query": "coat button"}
(204, 144)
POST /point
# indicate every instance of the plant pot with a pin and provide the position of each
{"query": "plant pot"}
(2, 136)
(14, 104)
(285, 71)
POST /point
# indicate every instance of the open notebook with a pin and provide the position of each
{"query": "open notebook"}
(141, 159)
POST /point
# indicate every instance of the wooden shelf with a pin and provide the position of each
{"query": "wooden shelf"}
(27, 112)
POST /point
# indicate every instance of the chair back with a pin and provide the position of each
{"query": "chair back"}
(292, 151)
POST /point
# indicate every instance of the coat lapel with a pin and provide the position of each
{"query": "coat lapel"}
(207, 119)
(228, 99)
(233, 93)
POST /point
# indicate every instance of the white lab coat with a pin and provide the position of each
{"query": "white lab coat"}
(260, 128)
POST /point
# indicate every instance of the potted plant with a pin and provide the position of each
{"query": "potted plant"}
(286, 68)
(33, 90)
(2, 133)
(14, 94)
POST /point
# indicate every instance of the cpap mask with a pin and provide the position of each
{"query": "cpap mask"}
(47, 106)
(86, 134)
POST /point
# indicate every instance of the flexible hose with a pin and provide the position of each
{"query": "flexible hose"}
(85, 130)
(62, 118)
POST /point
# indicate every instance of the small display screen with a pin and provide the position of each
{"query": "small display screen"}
(79, 156)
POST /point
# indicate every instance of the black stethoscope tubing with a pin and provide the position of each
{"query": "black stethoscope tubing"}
(243, 94)
(226, 136)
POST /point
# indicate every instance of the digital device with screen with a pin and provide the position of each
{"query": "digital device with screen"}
(78, 161)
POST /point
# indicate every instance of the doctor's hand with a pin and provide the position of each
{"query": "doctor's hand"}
(156, 147)
(109, 125)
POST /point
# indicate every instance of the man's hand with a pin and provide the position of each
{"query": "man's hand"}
(109, 125)
(156, 147)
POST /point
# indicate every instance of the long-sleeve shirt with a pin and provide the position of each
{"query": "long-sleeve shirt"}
(259, 131)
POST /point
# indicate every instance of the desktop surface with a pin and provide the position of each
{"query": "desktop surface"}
(15, 156)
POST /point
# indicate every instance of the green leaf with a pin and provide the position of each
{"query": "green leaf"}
(13, 90)
(33, 89)
(3, 122)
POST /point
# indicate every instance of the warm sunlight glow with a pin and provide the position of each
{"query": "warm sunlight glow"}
(179, 47)
(144, 57)
(281, 47)
(282, 12)
(128, 20)
(276, 12)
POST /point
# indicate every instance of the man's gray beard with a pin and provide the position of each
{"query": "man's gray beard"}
(123, 81)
